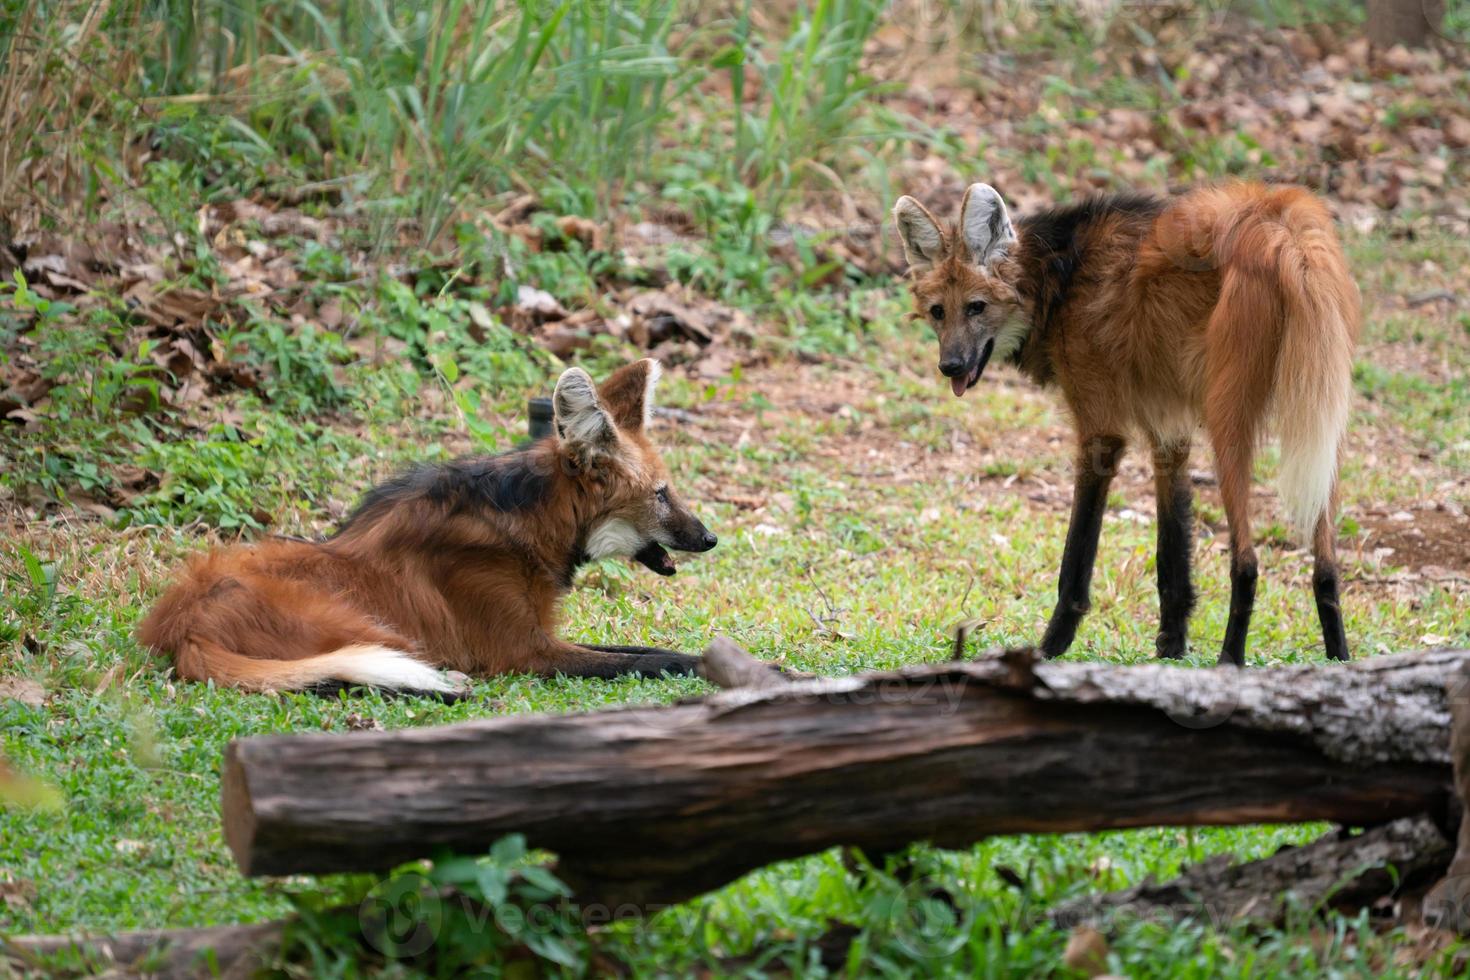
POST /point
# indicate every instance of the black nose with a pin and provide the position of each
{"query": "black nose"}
(952, 367)
(710, 541)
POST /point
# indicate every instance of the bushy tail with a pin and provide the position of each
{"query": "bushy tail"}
(1314, 371)
(366, 664)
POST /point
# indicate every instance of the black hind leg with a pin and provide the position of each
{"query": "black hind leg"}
(1243, 576)
(1324, 587)
(1176, 540)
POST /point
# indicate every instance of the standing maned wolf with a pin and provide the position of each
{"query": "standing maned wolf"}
(458, 566)
(1224, 306)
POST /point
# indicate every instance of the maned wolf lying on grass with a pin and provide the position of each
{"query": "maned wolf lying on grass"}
(1225, 305)
(458, 566)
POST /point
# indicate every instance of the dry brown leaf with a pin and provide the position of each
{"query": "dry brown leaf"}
(675, 312)
(517, 211)
(24, 690)
(716, 362)
(362, 723)
(532, 308)
(564, 341)
(21, 387)
(17, 894)
(580, 229)
(1086, 952)
(108, 679)
(1457, 132)
(330, 314)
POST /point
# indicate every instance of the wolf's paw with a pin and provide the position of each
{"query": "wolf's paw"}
(676, 664)
(1171, 647)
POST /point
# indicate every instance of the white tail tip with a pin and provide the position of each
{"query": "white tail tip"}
(379, 666)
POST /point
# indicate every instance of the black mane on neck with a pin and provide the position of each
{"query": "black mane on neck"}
(509, 482)
(1053, 245)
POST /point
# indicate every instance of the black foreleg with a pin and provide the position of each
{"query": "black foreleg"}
(1097, 464)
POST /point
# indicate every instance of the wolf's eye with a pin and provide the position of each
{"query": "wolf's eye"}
(936, 311)
(662, 493)
(974, 308)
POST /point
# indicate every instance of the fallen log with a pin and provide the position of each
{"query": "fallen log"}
(1338, 871)
(166, 954)
(1448, 903)
(646, 806)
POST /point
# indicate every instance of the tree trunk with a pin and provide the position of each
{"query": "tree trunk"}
(655, 805)
(1411, 23)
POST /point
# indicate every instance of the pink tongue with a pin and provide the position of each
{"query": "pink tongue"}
(959, 385)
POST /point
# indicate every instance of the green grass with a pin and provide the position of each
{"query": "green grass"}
(862, 510)
(868, 522)
(588, 102)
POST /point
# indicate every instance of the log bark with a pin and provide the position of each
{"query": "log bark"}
(1336, 871)
(169, 954)
(1447, 906)
(654, 805)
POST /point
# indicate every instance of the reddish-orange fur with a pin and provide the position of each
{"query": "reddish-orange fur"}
(1223, 306)
(457, 586)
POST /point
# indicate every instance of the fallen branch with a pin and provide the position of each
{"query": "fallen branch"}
(726, 665)
(654, 805)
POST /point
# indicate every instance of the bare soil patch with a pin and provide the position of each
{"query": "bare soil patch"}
(1433, 541)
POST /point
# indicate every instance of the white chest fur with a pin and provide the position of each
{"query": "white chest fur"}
(614, 536)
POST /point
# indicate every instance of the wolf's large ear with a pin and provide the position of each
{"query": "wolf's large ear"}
(583, 426)
(923, 242)
(628, 393)
(985, 224)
